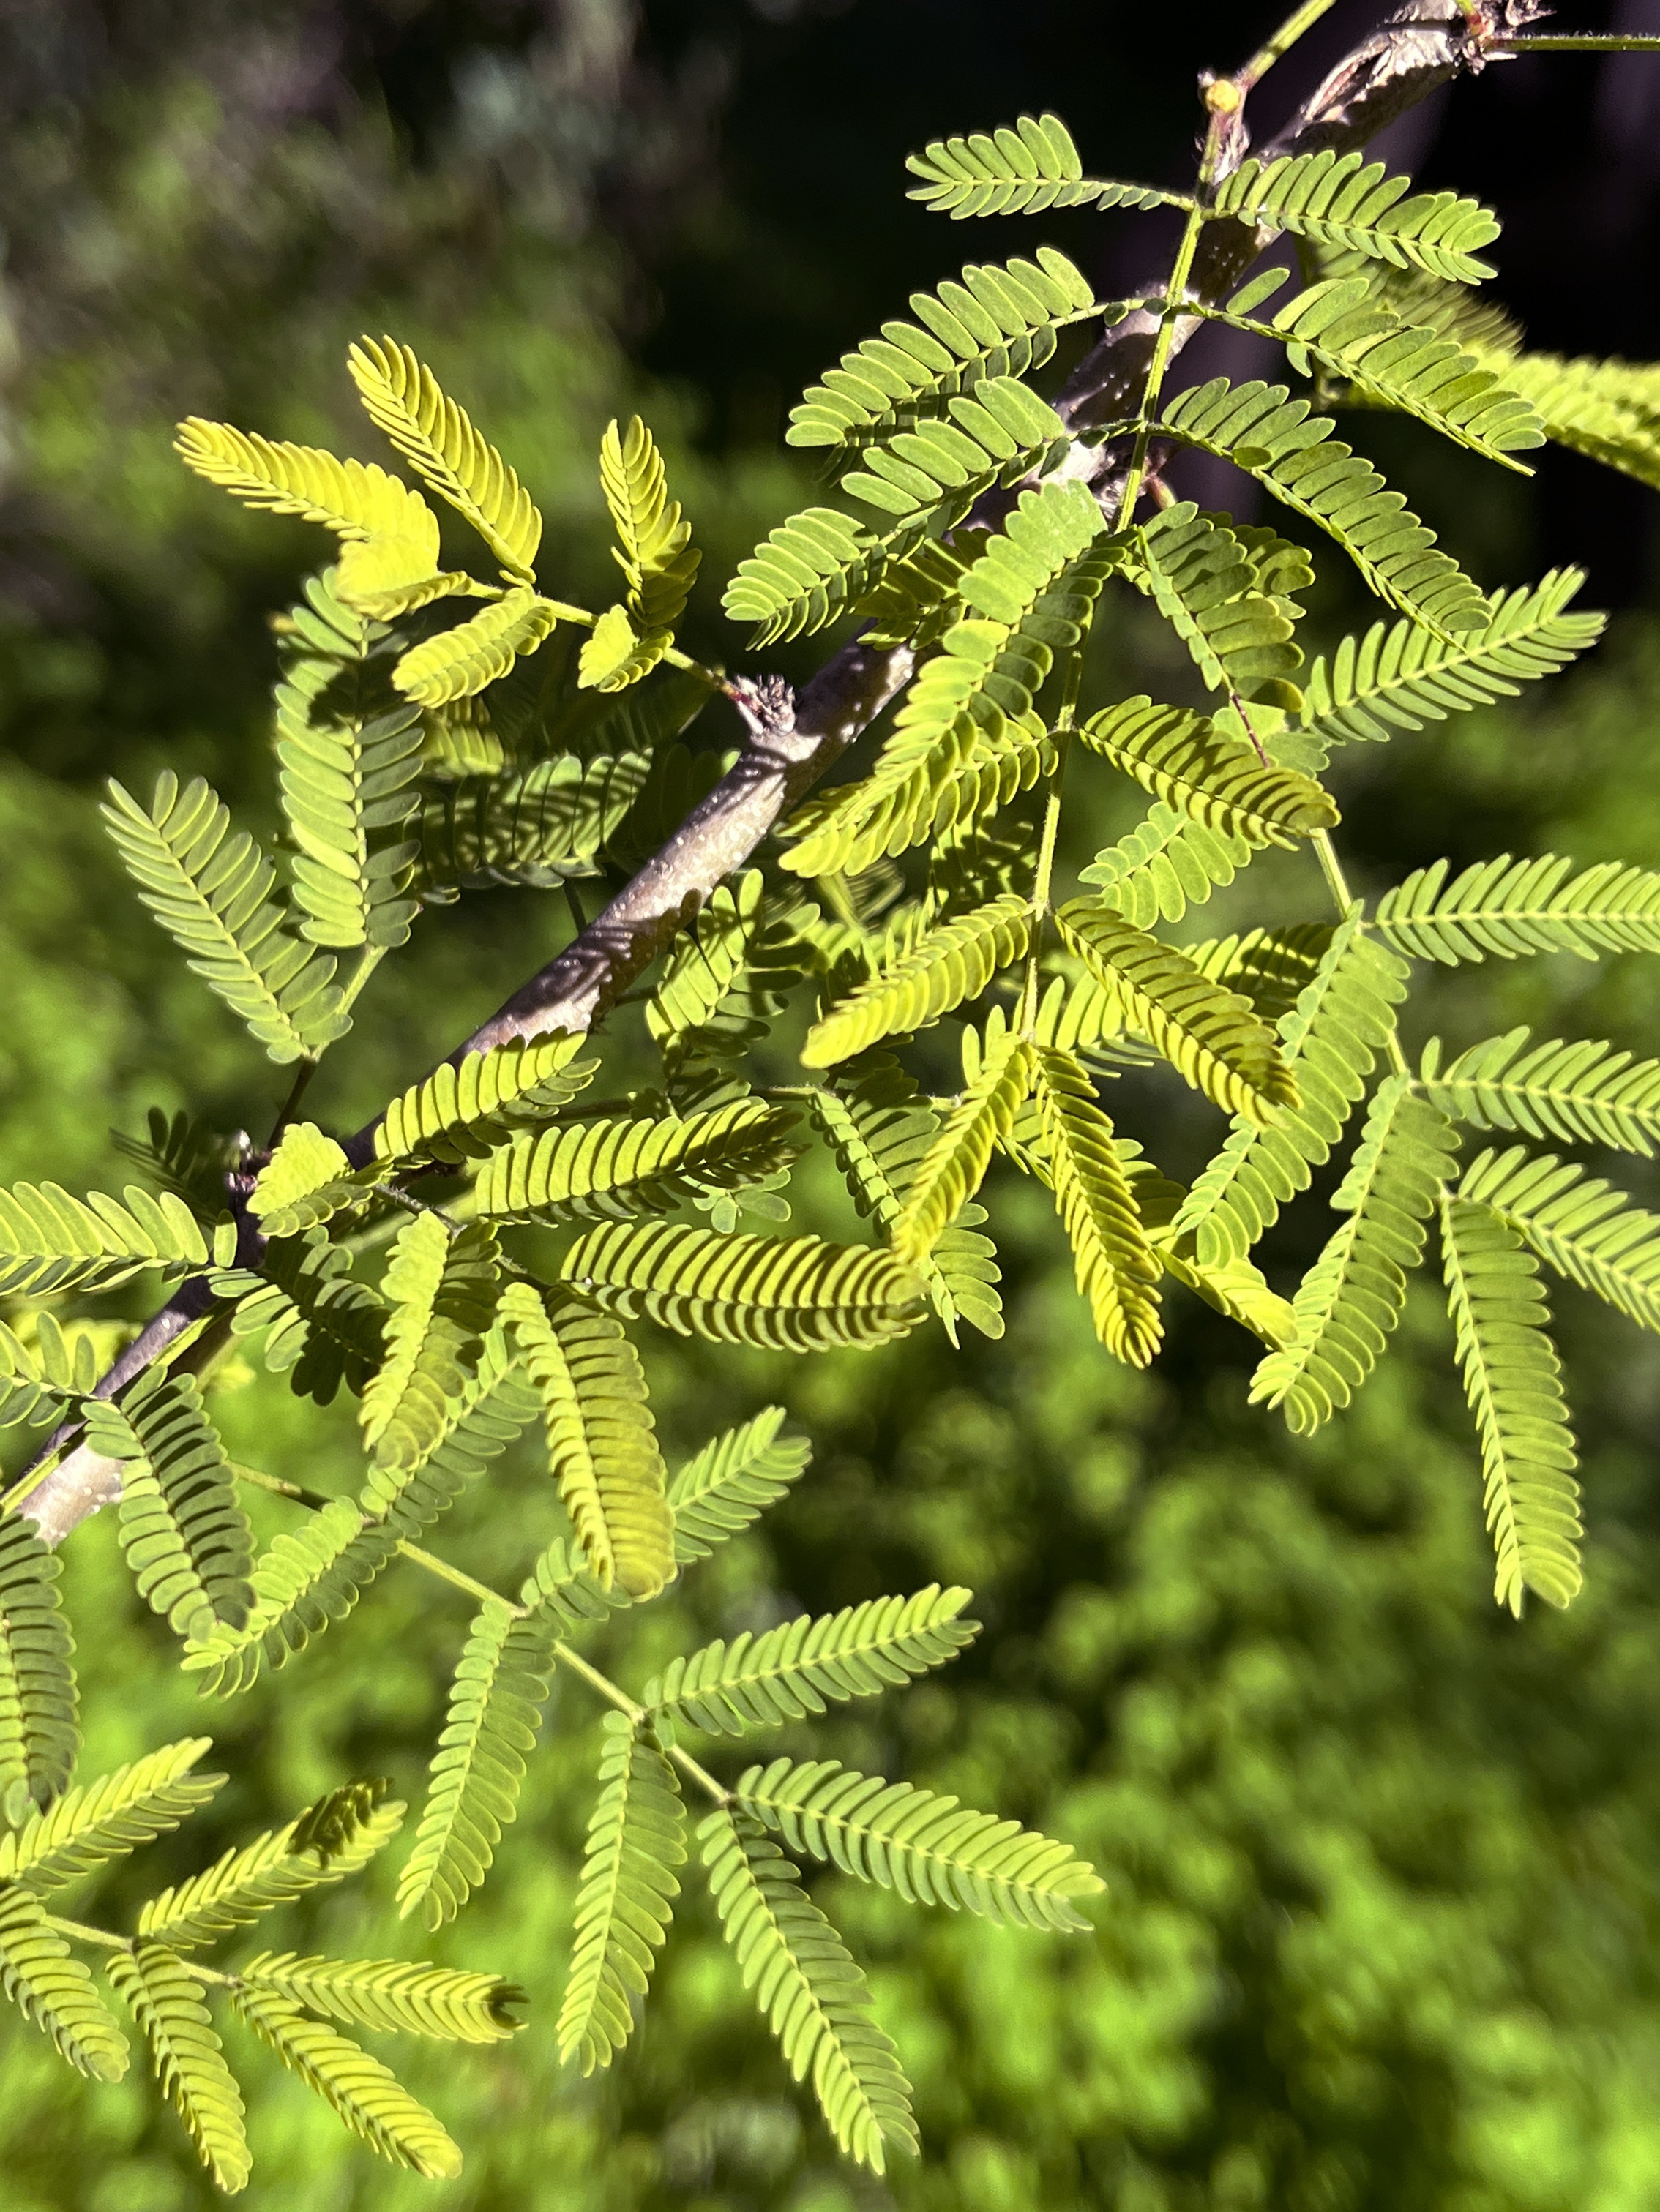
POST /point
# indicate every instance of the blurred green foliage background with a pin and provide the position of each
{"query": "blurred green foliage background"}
(1383, 1864)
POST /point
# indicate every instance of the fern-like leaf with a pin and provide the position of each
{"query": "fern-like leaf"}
(1341, 199)
(457, 662)
(1588, 1232)
(50, 1242)
(1212, 1038)
(1025, 170)
(956, 1164)
(306, 1180)
(782, 1294)
(995, 322)
(602, 1444)
(442, 1293)
(731, 1482)
(1352, 1297)
(211, 889)
(1167, 863)
(1293, 453)
(465, 1109)
(635, 1841)
(936, 471)
(944, 969)
(336, 1837)
(1116, 1267)
(435, 436)
(768, 1681)
(1512, 1379)
(1607, 410)
(654, 552)
(531, 831)
(1183, 759)
(1202, 577)
(929, 1849)
(810, 1991)
(1342, 1019)
(168, 2002)
(1510, 909)
(1402, 676)
(496, 1707)
(803, 574)
(1580, 1090)
(604, 1169)
(39, 1731)
(443, 2003)
(105, 1819)
(54, 1993)
(359, 2089)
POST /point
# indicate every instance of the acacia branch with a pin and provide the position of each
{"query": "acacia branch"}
(793, 742)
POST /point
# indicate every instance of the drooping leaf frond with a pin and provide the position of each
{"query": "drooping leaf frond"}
(39, 1731)
(1293, 453)
(1352, 1296)
(1200, 575)
(1588, 1232)
(168, 2002)
(1512, 1379)
(1341, 199)
(186, 1539)
(602, 1444)
(955, 1166)
(211, 889)
(881, 1132)
(930, 1849)
(605, 1169)
(1212, 1038)
(496, 1706)
(53, 1990)
(1022, 171)
(49, 1242)
(1183, 759)
(810, 1991)
(359, 2089)
(444, 2003)
(731, 1482)
(349, 751)
(944, 969)
(1167, 863)
(1403, 676)
(1342, 1019)
(654, 551)
(1114, 1265)
(389, 535)
(939, 468)
(466, 1108)
(1608, 410)
(636, 1839)
(457, 662)
(1512, 908)
(530, 830)
(782, 1294)
(996, 322)
(107, 1819)
(435, 434)
(1580, 1090)
(442, 1292)
(767, 1681)
(334, 1838)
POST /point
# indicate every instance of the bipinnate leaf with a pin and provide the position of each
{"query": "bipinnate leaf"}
(636, 1839)
(104, 1820)
(495, 1710)
(1342, 199)
(602, 1442)
(1350, 1299)
(359, 2089)
(789, 1672)
(1510, 909)
(929, 1849)
(732, 1481)
(810, 1991)
(395, 1995)
(49, 1242)
(945, 968)
(330, 1839)
(459, 662)
(168, 2002)
(782, 1294)
(404, 399)
(1183, 759)
(601, 1168)
(1588, 1232)
(1212, 1038)
(1512, 1379)
(307, 1178)
(1022, 170)
(442, 1291)
(1117, 1268)
(53, 1990)
(465, 1107)
(39, 1734)
(958, 1160)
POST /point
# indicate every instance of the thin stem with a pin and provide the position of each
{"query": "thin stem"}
(1284, 39)
(302, 1076)
(602, 1683)
(80, 1933)
(314, 1499)
(1343, 898)
(573, 905)
(1601, 42)
(700, 1775)
(368, 960)
(1043, 880)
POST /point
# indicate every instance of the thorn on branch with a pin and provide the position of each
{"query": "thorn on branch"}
(767, 704)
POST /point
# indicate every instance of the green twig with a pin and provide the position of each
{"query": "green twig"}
(1284, 39)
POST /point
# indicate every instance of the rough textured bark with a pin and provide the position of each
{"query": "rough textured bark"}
(793, 742)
